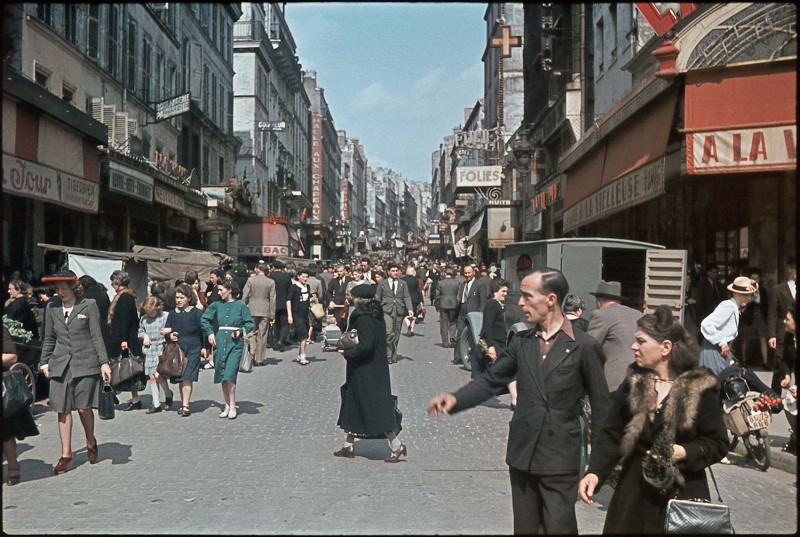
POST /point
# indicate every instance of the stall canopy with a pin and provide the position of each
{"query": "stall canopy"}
(263, 238)
(176, 261)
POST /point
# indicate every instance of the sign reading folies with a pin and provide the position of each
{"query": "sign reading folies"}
(478, 176)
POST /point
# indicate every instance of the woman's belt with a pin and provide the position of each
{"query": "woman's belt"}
(234, 328)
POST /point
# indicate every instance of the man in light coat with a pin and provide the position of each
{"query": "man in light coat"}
(395, 299)
(613, 326)
(446, 303)
(259, 295)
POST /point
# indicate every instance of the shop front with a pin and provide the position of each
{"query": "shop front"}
(264, 238)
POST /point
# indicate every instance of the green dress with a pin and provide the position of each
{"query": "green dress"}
(234, 314)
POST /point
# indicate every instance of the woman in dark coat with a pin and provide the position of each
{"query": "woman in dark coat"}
(16, 427)
(123, 323)
(667, 410)
(97, 292)
(415, 293)
(19, 309)
(367, 409)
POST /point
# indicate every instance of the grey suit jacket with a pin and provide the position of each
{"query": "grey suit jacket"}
(447, 294)
(614, 328)
(544, 436)
(476, 299)
(391, 303)
(259, 295)
(77, 343)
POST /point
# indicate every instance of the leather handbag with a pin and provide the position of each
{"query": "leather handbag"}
(698, 516)
(173, 361)
(108, 399)
(126, 368)
(16, 394)
(347, 340)
(318, 310)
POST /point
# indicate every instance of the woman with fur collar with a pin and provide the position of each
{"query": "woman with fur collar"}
(665, 416)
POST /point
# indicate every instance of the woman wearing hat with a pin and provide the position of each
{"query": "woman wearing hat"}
(367, 409)
(73, 353)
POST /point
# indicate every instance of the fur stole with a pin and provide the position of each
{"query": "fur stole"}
(680, 410)
(113, 307)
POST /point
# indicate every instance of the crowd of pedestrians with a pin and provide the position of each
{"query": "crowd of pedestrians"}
(644, 377)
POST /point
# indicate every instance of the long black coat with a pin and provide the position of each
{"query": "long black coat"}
(125, 326)
(367, 408)
(100, 296)
(20, 310)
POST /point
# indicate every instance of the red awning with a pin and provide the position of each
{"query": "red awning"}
(639, 141)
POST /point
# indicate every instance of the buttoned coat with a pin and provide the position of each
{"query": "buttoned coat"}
(76, 342)
(544, 436)
(394, 303)
(259, 294)
(337, 292)
(447, 296)
(614, 328)
(476, 299)
(282, 282)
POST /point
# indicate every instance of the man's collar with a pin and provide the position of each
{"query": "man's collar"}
(566, 327)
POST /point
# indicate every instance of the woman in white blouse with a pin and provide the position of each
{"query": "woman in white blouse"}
(720, 328)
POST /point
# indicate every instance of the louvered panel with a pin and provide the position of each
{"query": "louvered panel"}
(109, 113)
(97, 109)
(133, 127)
(120, 128)
(665, 280)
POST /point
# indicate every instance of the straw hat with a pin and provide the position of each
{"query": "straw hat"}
(743, 285)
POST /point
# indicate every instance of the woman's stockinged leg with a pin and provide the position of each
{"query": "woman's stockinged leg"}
(394, 441)
(65, 433)
(349, 440)
(87, 420)
(186, 393)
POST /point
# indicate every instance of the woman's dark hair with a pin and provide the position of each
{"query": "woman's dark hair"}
(20, 286)
(90, 283)
(218, 273)
(186, 291)
(661, 325)
(191, 277)
(231, 286)
(498, 284)
(574, 303)
(158, 289)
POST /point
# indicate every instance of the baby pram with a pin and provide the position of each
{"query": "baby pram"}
(330, 334)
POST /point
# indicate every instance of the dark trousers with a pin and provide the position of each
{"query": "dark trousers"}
(282, 327)
(753, 381)
(447, 325)
(544, 504)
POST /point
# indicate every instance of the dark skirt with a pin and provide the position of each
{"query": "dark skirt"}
(635, 508)
(68, 393)
(19, 426)
(192, 371)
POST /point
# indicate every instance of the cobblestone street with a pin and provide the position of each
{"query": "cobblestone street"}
(271, 471)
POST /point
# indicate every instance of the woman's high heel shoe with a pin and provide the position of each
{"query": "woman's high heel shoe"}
(91, 452)
(63, 464)
(395, 456)
(346, 452)
(13, 477)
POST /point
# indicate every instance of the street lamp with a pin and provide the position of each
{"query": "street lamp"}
(523, 153)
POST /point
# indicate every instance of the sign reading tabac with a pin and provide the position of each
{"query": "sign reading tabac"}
(478, 176)
(316, 169)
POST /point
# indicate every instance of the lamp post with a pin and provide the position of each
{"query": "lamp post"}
(523, 152)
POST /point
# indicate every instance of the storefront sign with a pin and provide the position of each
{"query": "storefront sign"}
(170, 198)
(130, 182)
(742, 150)
(489, 139)
(316, 169)
(178, 223)
(173, 107)
(636, 187)
(170, 166)
(346, 201)
(478, 176)
(31, 180)
(499, 228)
(272, 125)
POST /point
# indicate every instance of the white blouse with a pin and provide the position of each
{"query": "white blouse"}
(722, 325)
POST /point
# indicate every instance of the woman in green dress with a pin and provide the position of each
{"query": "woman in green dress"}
(234, 319)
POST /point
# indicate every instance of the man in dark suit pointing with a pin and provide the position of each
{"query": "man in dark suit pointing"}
(554, 367)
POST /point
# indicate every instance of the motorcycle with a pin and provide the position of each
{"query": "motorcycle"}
(748, 416)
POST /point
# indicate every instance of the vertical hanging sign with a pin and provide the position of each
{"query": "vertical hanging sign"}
(316, 169)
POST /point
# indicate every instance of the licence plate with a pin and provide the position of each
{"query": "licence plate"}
(759, 420)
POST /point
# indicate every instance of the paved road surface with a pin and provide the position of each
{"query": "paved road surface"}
(271, 471)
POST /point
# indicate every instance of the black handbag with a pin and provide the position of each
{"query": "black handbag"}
(347, 341)
(126, 368)
(173, 361)
(16, 394)
(107, 402)
(698, 516)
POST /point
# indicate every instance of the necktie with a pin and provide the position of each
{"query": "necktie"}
(394, 286)
(466, 292)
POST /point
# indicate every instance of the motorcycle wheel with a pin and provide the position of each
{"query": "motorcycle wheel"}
(465, 347)
(757, 446)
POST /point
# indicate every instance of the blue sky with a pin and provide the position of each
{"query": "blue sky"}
(397, 76)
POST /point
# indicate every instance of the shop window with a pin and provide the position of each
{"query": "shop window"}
(727, 251)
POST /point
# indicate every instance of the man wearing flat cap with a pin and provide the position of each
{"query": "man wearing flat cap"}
(613, 326)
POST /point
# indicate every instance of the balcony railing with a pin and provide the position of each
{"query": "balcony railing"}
(248, 31)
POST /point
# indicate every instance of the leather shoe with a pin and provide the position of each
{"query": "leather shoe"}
(133, 406)
(395, 456)
(63, 465)
(91, 452)
(168, 401)
(346, 452)
(154, 409)
(455, 361)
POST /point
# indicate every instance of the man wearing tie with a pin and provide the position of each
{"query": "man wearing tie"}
(472, 296)
(337, 297)
(396, 302)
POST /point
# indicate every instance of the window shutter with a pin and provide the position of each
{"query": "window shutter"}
(121, 132)
(96, 106)
(93, 31)
(109, 115)
(131, 75)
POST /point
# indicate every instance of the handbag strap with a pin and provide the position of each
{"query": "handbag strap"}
(713, 479)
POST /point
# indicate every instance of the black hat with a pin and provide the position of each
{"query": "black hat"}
(278, 265)
(363, 290)
(63, 275)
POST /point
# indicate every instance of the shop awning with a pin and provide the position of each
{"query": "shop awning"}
(262, 238)
(640, 141)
